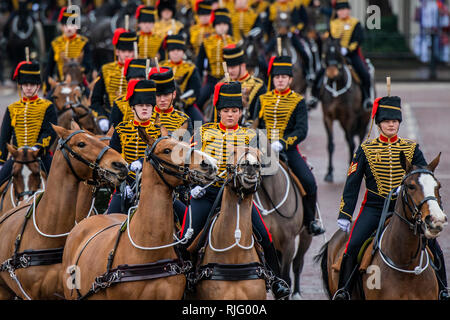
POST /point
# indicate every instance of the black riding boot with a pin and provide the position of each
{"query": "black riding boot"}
(346, 278)
(280, 288)
(309, 220)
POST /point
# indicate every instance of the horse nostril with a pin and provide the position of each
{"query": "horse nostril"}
(428, 219)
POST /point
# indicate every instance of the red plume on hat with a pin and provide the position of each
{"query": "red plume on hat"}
(16, 72)
(117, 34)
(217, 92)
(154, 70)
(375, 106)
(270, 65)
(212, 17)
(130, 89)
(126, 65)
(138, 10)
(196, 5)
(61, 12)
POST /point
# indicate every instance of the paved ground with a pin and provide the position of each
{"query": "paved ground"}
(426, 113)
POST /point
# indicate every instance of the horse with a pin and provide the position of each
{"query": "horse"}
(229, 266)
(72, 105)
(283, 216)
(341, 99)
(27, 177)
(398, 255)
(31, 253)
(148, 249)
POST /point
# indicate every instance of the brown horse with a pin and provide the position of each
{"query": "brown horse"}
(33, 234)
(400, 267)
(149, 239)
(279, 200)
(230, 241)
(26, 178)
(341, 99)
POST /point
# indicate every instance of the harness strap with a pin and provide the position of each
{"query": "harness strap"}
(29, 258)
(233, 272)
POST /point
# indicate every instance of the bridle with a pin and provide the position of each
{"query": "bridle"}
(234, 174)
(415, 209)
(161, 166)
(98, 173)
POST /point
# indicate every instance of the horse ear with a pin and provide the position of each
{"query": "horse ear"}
(164, 131)
(12, 150)
(433, 164)
(110, 132)
(406, 165)
(68, 79)
(145, 136)
(74, 125)
(60, 131)
(52, 82)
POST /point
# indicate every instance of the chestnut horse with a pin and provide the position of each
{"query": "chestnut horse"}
(341, 99)
(400, 262)
(27, 177)
(230, 241)
(31, 251)
(97, 248)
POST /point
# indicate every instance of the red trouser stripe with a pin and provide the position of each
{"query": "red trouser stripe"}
(184, 219)
(360, 210)
(267, 229)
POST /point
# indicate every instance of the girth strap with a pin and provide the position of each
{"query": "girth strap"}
(233, 272)
(30, 257)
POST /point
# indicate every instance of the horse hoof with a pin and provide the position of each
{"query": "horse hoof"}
(329, 178)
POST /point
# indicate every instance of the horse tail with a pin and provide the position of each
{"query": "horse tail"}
(322, 257)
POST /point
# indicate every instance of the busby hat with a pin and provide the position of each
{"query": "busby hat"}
(123, 39)
(233, 55)
(175, 41)
(27, 72)
(141, 92)
(387, 108)
(145, 14)
(342, 4)
(134, 68)
(221, 15)
(227, 95)
(203, 7)
(280, 65)
(166, 4)
(64, 15)
(165, 82)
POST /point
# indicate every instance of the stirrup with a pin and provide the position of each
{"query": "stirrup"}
(341, 294)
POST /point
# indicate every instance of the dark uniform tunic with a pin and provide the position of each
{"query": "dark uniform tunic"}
(27, 122)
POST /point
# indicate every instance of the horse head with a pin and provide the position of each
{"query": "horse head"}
(332, 58)
(91, 160)
(176, 161)
(246, 171)
(73, 67)
(421, 197)
(26, 172)
(65, 93)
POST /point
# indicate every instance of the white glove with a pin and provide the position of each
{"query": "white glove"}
(103, 125)
(344, 224)
(344, 51)
(277, 146)
(1, 166)
(34, 148)
(135, 166)
(129, 192)
(198, 192)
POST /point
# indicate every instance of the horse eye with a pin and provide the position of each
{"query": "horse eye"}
(411, 187)
(81, 144)
(167, 151)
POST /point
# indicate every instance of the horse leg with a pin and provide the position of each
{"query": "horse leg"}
(286, 259)
(5, 292)
(351, 143)
(328, 122)
(298, 262)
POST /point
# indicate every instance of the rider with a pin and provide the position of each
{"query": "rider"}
(283, 113)
(237, 70)
(164, 112)
(243, 19)
(149, 42)
(203, 28)
(350, 32)
(372, 160)
(69, 45)
(134, 69)
(167, 24)
(211, 50)
(111, 81)
(27, 121)
(141, 95)
(186, 75)
(215, 140)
